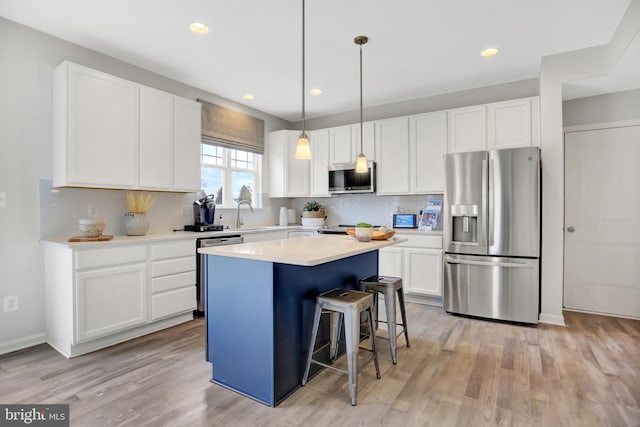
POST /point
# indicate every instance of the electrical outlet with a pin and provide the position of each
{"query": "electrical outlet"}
(11, 303)
(3, 199)
(92, 211)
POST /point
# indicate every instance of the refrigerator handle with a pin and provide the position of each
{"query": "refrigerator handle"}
(492, 201)
(484, 202)
(512, 264)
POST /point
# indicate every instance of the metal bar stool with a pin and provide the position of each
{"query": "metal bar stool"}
(389, 287)
(347, 305)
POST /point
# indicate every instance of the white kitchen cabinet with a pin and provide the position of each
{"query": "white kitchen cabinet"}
(341, 146)
(369, 143)
(392, 148)
(173, 279)
(96, 297)
(418, 261)
(113, 133)
(110, 300)
(467, 129)
(427, 147)
(95, 129)
(390, 262)
(288, 176)
(514, 123)
(110, 291)
(186, 144)
(156, 139)
(423, 271)
(319, 167)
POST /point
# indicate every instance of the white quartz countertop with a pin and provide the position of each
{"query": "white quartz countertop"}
(305, 251)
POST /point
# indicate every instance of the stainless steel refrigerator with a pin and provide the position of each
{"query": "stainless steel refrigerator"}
(492, 234)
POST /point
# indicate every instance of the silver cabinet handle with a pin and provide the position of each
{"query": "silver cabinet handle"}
(571, 229)
(512, 264)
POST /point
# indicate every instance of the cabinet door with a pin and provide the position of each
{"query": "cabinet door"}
(369, 143)
(340, 145)
(103, 123)
(110, 300)
(186, 145)
(509, 124)
(467, 129)
(319, 172)
(423, 271)
(428, 145)
(296, 170)
(393, 153)
(390, 262)
(156, 139)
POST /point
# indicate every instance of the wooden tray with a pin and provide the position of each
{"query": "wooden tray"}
(377, 235)
(101, 238)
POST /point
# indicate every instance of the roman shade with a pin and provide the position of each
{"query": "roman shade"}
(231, 129)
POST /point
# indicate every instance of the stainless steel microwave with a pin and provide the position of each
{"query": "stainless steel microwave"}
(344, 179)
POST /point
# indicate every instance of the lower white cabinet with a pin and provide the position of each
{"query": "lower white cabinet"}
(418, 261)
(109, 300)
(173, 279)
(96, 297)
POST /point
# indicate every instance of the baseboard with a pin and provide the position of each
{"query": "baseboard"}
(22, 343)
(552, 319)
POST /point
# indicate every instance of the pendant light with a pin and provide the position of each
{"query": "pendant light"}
(361, 164)
(303, 149)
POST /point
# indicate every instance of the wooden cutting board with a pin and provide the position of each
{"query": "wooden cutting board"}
(101, 238)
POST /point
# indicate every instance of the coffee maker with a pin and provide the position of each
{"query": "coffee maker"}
(204, 210)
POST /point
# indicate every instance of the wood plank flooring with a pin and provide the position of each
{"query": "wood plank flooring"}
(458, 372)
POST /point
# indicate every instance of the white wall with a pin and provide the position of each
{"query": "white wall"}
(27, 58)
(610, 107)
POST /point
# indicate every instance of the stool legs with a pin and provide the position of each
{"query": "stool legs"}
(404, 316)
(316, 323)
(335, 323)
(372, 332)
(390, 305)
(351, 319)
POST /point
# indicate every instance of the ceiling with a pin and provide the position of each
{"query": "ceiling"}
(416, 48)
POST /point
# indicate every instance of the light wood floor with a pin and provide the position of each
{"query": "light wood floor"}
(458, 372)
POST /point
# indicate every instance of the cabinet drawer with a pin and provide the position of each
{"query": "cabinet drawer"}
(173, 302)
(173, 266)
(173, 281)
(110, 256)
(421, 241)
(173, 250)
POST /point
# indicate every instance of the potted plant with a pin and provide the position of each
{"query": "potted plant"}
(364, 231)
(313, 210)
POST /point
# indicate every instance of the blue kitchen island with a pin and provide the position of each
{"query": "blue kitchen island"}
(260, 300)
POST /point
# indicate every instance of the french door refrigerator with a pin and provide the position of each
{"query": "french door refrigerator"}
(492, 234)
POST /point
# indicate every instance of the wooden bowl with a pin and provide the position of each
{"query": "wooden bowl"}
(377, 234)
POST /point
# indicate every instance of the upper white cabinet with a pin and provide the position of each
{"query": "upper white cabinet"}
(95, 128)
(318, 174)
(467, 129)
(427, 147)
(186, 144)
(344, 143)
(288, 176)
(392, 150)
(513, 123)
(113, 133)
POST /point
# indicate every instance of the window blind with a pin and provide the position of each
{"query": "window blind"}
(231, 129)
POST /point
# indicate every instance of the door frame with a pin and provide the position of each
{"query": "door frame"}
(581, 128)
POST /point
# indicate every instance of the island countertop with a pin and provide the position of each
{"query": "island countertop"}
(304, 251)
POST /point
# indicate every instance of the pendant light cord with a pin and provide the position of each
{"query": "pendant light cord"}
(361, 125)
(303, 86)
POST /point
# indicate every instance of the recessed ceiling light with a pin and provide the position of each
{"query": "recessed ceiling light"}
(489, 52)
(315, 91)
(199, 28)
(248, 97)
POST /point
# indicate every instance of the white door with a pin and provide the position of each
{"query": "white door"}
(602, 226)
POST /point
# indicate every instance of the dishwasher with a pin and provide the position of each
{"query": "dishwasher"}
(201, 265)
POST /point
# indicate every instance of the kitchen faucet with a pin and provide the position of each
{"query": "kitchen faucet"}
(238, 219)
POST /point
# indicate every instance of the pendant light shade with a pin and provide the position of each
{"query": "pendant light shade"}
(361, 164)
(303, 149)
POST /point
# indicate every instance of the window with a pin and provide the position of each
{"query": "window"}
(231, 175)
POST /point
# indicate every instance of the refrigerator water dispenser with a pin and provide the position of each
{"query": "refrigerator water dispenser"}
(464, 224)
